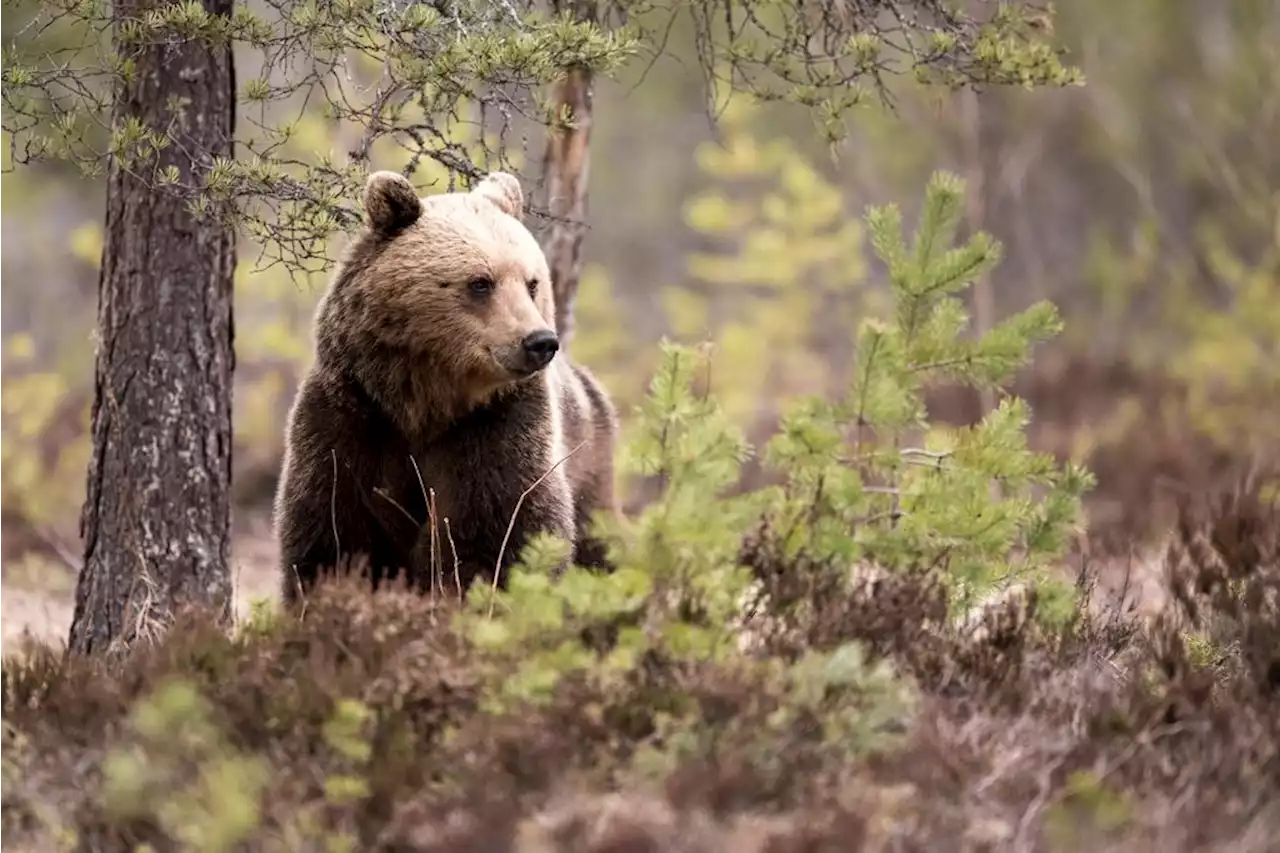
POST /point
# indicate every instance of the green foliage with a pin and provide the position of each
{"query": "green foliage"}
(411, 78)
(1219, 328)
(263, 618)
(346, 733)
(1088, 805)
(766, 48)
(604, 340)
(181, 772)
(43, 454)
(679, 584)
(1189, 278)
(414, 77)
(1212, 274)
(869, 479)
(1230, 362)
(786, 278)
(855, 729)
(1202, 652)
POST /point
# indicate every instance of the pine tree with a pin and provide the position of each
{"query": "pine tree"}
(786, 273)
(867, 479)
(870, 480)
(157, 514)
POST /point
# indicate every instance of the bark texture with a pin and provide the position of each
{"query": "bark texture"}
(566, 167)
(156, 519)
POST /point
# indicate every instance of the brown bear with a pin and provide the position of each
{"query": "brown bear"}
(436, 393)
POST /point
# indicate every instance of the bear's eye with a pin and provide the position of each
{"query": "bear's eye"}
(533, 287)
(480, 286)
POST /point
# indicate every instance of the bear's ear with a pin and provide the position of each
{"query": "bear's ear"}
(390, 202)
(503, 189)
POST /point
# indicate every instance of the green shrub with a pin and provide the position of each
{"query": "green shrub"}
(870, 480)
(854, 490)
(674, 601)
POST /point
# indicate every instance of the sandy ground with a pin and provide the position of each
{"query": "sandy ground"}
(43, 606)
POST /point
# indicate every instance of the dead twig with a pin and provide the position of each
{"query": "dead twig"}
(497, 568)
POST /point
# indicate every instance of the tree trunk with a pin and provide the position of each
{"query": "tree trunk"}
(156, 519)
(565, 168)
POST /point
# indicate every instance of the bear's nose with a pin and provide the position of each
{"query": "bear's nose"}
(541, 347)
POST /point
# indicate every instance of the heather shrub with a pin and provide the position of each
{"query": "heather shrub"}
(376, 723)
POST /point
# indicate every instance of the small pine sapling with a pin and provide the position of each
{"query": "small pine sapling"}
(782, 274)
(867, 478)
(675, 598)
(677, 581)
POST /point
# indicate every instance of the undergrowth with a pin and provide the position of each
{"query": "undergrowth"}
(371, 725)
(880, 653)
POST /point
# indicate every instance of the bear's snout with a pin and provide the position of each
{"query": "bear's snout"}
(539, 348)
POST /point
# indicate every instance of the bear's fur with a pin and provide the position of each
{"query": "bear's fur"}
(420, 386)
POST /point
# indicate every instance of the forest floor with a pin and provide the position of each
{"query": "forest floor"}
(37, 597)
(367, 726)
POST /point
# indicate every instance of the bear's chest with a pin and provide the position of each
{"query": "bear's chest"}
(465, 475)
(471, 472)
(405, 484)
(415, 483)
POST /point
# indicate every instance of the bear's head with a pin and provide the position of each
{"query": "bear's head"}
(455, 277)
